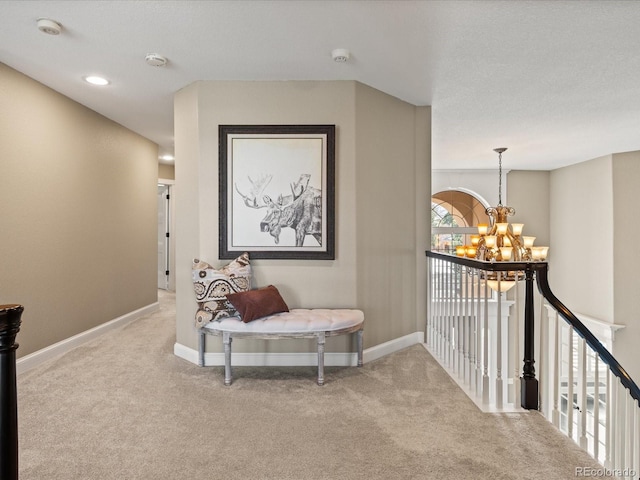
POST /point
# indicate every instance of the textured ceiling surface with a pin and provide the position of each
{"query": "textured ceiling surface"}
(558, 82)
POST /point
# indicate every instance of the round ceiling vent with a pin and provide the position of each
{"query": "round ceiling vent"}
(155, 60)
(48, 26)
(340, 55)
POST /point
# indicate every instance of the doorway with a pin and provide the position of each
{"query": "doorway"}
(164, 236)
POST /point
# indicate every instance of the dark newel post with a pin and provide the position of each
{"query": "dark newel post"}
(529, 382)
(9, 327)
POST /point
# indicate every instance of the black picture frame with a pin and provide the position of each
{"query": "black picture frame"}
(277, 191)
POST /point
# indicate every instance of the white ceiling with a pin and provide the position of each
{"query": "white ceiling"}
(558, 82)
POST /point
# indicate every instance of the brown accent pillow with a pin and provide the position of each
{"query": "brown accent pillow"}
(258, 303)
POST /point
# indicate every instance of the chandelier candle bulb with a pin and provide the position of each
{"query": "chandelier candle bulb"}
(475, 240)
(506, 253)
(460, 250)
(506, 242)
(543, 253)
(490, 241)
(536, 254)
(528, 241)
(517, 228)
(483, 228)
(502, 228)
(471, 251)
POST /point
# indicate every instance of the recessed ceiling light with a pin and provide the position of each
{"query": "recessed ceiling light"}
(167, 157)
(48, 26)
(95, 80)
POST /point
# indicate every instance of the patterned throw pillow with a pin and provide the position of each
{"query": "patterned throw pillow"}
(212, 286)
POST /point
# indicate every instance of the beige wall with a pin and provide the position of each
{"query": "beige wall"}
(385, 215)
(626, 264)
(581, 254)
(528, 193)
(361, 116)
(593, 232)
(78, 210)
(166, 172)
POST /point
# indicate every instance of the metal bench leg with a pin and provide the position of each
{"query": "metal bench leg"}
(201, 341)
(321, 339)
(359, 340)
(226, 339)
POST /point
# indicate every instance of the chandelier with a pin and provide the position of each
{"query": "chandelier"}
(501, 241)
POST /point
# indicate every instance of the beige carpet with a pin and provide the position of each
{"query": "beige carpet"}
(124, 407)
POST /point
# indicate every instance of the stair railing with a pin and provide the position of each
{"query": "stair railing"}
(593, 400)
(477, 335)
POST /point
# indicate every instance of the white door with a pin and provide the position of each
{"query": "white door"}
(163, 236)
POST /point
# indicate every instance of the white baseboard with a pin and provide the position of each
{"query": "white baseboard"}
(34, 359)
(392, 346)
(259, 359)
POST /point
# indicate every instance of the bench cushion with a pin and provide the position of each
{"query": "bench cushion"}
(296, 321)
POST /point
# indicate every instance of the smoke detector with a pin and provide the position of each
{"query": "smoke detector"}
(340, 55)
(48, 26)
(155, 60)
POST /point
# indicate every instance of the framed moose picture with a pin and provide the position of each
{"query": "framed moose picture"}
(277, 191)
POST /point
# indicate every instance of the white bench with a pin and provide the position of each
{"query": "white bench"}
(298, 323)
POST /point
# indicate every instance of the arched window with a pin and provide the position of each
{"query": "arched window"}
(455, 216)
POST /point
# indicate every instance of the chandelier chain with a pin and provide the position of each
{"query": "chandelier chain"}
(500, 178)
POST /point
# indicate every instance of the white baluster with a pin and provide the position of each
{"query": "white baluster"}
(479, 324)
(442, 303)
(610, 442)
(474, 333)
(485, 350)
(557, 343)
(454, 317)
(613, 423)
(458, 320)
(460, 336)
(619, 419)
(449, 290)
(543, 377)
(629, 424)
(465, 326)
(427, 332)
(582, 393)
(443, 310)
(434, 304)
(516, 348)
(636, 441)
(452, 320)
(499, 402)
(570, 386)
(596, 407)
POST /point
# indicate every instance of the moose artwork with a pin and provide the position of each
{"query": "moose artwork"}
(301, 210)
(277, 191)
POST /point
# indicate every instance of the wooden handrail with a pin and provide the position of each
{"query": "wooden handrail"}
(584, 332)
